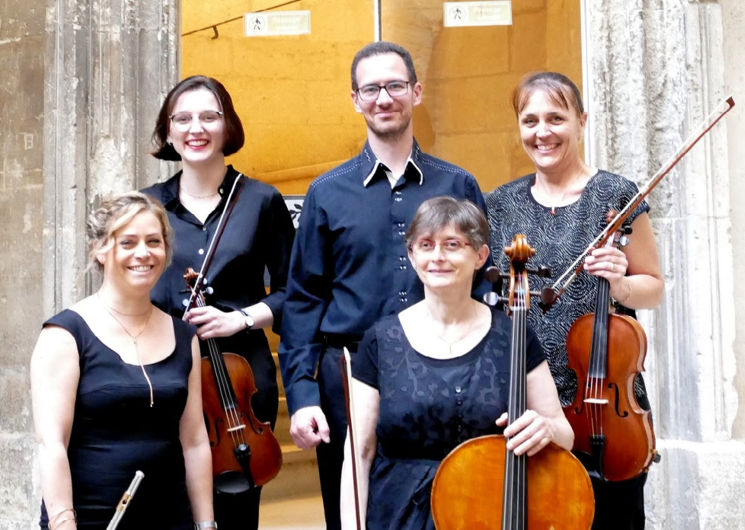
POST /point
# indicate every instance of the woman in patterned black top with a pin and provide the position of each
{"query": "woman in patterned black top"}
(437, 374)
(562, 208)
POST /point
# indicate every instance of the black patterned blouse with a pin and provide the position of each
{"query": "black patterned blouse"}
(427, 407)
(559, 238)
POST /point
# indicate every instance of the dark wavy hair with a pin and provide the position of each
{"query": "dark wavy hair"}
(234, 136)
(558, 87)
(381, 48)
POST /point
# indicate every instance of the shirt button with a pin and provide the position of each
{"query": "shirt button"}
(200, 251)
(397, 199)
(459, 402)
(458, 389)
(204, 229)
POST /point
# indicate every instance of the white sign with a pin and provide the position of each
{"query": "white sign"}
(489, 13)
(277, 23)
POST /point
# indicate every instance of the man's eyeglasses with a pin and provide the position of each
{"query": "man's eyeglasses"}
(182, 121)
(393, 88)
(448, 246)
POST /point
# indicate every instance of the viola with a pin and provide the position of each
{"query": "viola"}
(245, 453)
(482, 484)
(606, 351)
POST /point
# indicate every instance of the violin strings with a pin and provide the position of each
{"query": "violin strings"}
(222, 382)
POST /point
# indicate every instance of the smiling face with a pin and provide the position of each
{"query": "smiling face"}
(203, 140)
(551, 133)
(446, 259)
(138, 255)
(386, 116)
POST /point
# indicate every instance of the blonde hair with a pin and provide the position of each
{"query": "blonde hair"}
(116, 212)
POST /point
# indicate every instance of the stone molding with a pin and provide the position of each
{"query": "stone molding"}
(653, 73)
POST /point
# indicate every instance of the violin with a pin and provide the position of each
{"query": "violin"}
(606, 351)
(245, 453)
(482, 484)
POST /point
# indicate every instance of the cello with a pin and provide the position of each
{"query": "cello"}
(606, 351)
(245, 453)
(483, 485)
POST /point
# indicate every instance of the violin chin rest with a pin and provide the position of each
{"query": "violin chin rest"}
(231, 482)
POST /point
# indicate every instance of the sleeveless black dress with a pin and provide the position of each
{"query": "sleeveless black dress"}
(115, 432)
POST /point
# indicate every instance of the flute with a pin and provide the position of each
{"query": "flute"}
(124, 501)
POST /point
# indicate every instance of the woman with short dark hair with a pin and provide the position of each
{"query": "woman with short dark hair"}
(199, 126)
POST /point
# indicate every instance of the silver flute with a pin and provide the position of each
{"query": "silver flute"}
(124, 501)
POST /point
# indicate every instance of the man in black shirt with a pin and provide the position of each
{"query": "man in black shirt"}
(349, 264)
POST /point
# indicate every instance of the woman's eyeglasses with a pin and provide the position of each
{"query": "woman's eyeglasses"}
(182, 120)
(448, 246)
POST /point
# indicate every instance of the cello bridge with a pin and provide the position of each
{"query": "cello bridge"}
(237, 428)
(596, 401)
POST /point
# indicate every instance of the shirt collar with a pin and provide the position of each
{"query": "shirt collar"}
(373, 166)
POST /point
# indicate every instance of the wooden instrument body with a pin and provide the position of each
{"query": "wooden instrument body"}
(629, 441)
(470, 483)
(225, 413)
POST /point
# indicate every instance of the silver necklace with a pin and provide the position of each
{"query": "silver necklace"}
(134, 337)
(451, 343)
(208, 196)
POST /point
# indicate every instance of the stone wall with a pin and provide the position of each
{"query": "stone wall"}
(81, 86)
(656, 70)
(22, 42)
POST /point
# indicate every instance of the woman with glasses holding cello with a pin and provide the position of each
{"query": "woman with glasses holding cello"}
(198, 126)
(436, 375)
(561, 208)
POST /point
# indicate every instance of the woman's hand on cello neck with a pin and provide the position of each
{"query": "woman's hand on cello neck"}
(543, 420)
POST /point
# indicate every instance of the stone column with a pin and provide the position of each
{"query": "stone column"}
(109, 64)
(654, 71)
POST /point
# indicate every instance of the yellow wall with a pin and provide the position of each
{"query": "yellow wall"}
(292, 93)
(468, 75)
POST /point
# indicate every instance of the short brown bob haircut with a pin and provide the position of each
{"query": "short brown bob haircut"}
(234, 136)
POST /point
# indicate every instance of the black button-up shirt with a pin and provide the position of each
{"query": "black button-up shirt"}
(349, 262)
(258, 235)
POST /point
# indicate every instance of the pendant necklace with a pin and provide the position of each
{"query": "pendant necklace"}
(134, 337)
(452, 343)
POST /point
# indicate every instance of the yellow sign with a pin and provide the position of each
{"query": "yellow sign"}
(488, 13)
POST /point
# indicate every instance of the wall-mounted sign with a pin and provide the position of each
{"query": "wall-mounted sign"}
(268, 24)
(488, 13)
